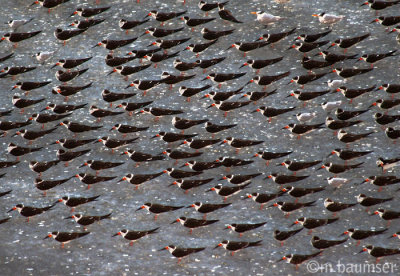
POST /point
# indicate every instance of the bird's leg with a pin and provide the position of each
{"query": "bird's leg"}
(267, 163)
(182, 131)
(66, 99)
(42, 126)
(261, 206)
(188, 99)
(136, 187)
(388, 223)
(17, 158)
(62, 245)
(282, 243)
(219, 85)
(186, 192)
(88, 187)
(72, 209)
(237, 151)
(127, 32)
(27, 219)
(287, 215)
(204, 71)
(126, 78)
(205, 216)
(64, 43)
(298, 137)
(294, 173)
(155, 65)
(240, 234)
(244, 54)
(97, 173)
(225, 114)
(155, 217)
(233, 253)
(309, 232)
(156, 119)
(179, 260)
(258, 71)
(191, 230)
(144, 93)
(15, 45)
(265, 88)
(225, 198)
(170, 87)
(131, 243)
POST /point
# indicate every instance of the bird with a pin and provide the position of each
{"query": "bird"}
(15, 37)
(72, 143)
(297, 259)
(367, 201)
(281, 235)
(193, 223)
(71, 63)
(387, 20)
(66, 237)
(348, 154)
(87, 220)
(301, 129)
(133, 235)
(360, 234)
(347, 137)
(336, 206)
(266, 18)
(379, 4)
(66, 90)
(214, 35)
(65, 35)
(239, 178)
(304, 79)
(392, 133)
(348, 114)
(111, 44)
(89, 179)
(187, 184)
(171, 137)
(126, 24)
(268, 156)
(285, 179)
(45, 185)
(263, 198)
(372, 58)
(77, 127)
(164, 16)
(157, 209)
(178, 174)
(244, 227)
(313, 37)
(29, 211)
(63, 108)
(101, 113)
(227, 191)
(40, 167)
(226, 14)
(114, 144)
(67, 156)
(200, 47)
(33, 135)
(16, 23)
(141, 156)
(311, 223)
(346, 43)
(338, 168)
(206, 208)
(329, 19)
(18, 151)
(65, 76)
(319, 243)
(159, 32)
(378, 252)
(111, 97)
(85, 24)
(180, 252)
(89, 12)
(137, 179)
(76, 201)
(235, 246)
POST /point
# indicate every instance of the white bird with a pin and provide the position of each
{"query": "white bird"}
(329, 106)
(336, 83)
(16, 23)
(43, 56)
(305, 116)
(329, 19)
(337, 181)
(266, 18)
